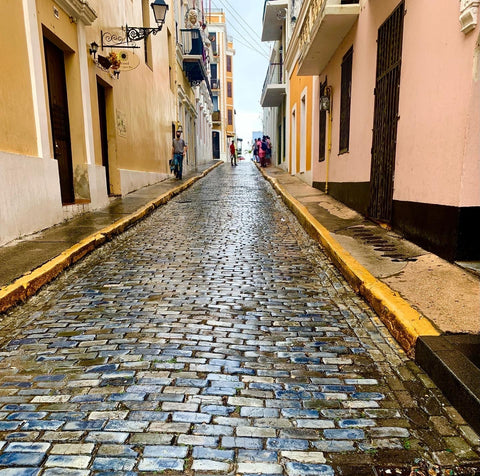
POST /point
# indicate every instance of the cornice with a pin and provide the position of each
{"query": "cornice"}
(79, 10)
(469, 15)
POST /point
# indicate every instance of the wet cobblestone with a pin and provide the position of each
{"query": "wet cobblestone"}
(214, 338)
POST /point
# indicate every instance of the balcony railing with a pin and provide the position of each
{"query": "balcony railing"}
(216, 116)
(215, 83)
(194, 55)
(274, 87)
(322, 26)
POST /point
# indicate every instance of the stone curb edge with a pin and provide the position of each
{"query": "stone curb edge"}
(404, 323)
(28, 284)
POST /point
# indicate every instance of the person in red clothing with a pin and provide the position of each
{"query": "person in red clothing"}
(262, 152)
(233, 153)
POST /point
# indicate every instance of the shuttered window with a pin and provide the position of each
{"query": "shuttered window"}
(345, 101)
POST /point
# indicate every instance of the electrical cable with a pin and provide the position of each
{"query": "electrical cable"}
(250, 42)
(237, 16)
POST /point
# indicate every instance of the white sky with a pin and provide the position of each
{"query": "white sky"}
(249, 66)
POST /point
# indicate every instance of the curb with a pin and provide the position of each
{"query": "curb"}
(404, 323)
(28, 284)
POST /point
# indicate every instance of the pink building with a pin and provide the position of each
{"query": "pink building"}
(404, 115)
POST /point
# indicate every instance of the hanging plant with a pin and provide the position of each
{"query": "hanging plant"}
(114, 60)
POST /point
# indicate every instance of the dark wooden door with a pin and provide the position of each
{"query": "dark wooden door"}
(102, 111)
(57, 96)
(216, 144)
(387, 94)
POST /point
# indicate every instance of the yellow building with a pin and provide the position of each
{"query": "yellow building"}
(222, 83)
(86, 113)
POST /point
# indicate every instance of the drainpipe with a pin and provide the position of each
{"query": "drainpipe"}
(329, 136)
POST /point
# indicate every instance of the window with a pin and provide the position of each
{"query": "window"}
(229, 64)
(229, 89)
(213, 70)
(215, 103)
(345, 101)
(322, 126)
(230, 117)
(213, 38)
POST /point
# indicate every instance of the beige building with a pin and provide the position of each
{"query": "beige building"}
(194, 106)
(222, 83)
(79, 125)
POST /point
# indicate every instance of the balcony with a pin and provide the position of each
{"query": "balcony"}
(215, 84)
(194, 56)
(274, 14)
(216, 116)
(321, 27)
(274, 87)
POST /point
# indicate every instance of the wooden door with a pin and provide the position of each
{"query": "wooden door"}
(57, 96)
(102, 111)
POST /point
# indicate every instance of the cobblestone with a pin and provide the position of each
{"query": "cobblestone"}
(213, 338)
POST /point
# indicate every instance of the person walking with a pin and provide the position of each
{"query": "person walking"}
(262, 152)
(268, 154)
(233, 153)
(179, 149)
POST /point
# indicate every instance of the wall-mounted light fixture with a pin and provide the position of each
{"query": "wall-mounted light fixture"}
(326, 100)
(93, 49)
(159, 8)
(116, 74)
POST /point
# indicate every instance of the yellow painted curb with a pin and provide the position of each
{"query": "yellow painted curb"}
(404, 323)
(28, 284)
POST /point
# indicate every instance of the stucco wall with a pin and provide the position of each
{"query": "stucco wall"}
(17, 120)
(439, 109)
(438, 144)
(141, 99)
(301, 86)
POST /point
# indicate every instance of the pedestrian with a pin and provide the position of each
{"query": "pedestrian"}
(255, 150)
(268, 155)
(262, 152)
(258, 144)
(233, 153)
(179, 149)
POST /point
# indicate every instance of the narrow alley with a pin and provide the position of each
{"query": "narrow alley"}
(215, 338)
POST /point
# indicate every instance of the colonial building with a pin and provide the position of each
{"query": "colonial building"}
(194, 97)
(222, 83)
(392, 106)
(90, 94)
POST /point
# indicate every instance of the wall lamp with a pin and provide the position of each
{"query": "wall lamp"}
(93, 49)
(325, 100)
(159, 8)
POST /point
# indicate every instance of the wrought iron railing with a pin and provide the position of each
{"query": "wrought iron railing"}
(315, 10)
(216, 116)
(191, 43)
(274, 75)
(215, 83)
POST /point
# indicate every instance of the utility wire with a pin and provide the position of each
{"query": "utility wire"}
(250, 42)
(237, 16)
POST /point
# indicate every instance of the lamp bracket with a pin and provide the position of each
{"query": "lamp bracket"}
(139, 33)
(113, 40)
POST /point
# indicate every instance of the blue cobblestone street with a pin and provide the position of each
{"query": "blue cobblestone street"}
(214, 338)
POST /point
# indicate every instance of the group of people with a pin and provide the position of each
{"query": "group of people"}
(262, 150)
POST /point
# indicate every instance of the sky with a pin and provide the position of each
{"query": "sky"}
(244, 24)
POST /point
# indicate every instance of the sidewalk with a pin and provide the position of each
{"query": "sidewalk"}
(430, 306)
(32, 261)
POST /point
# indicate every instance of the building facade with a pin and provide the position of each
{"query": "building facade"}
(86, 113)
(222, 83)
(393, 114)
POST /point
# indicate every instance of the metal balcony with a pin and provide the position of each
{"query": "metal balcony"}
(274, 15)
(215, 84)
(216, 116)
(194, 56)
(274, 87)
(321, 26)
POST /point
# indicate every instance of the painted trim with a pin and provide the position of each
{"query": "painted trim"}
(35, 56)
(79, 10)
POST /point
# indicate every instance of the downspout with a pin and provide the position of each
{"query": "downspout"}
(329, 137)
